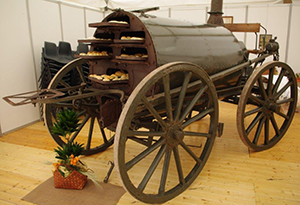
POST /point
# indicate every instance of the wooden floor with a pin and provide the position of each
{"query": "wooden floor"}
(233, 175)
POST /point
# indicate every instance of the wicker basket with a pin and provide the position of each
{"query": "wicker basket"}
(75, 180)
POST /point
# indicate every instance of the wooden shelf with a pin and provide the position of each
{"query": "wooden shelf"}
(95, 57)
(111, 25)
(131, 58)
(243, 27)
(95, 41)
(119, 41)
(108, 82)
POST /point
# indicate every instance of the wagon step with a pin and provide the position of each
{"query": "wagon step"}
(32, 97)
(59, 95)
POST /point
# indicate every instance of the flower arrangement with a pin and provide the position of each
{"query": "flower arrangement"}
(68, 155)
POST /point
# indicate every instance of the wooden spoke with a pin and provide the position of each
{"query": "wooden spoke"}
(282, 115)
(154, 112)
(254, 111)
(254, 122)
(270, 81)
(164, 174)
(183, 90)
(288, 100)
(256, 99)
(64, 84)
(89, 140)
(152, 168)
(145, 133)
(278, 81)
(275, 126)
(143, 154)
(188, 150)
(80, 128)
(258, 131)
(279, 93)
(143, 141)
(198, 117)
(102, 131)
(81, 75)
(267, 131)
(192, 103)
(169, 108)
(178, 165)
(197, 134)
(262, 88)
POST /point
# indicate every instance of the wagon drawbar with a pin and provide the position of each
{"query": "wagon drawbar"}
(151, 86)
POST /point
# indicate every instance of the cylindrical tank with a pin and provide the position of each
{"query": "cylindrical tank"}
(213, 48)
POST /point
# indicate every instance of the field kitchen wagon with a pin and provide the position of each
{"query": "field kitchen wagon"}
(151, 86)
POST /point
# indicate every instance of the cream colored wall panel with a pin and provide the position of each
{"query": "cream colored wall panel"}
(17, 66)
(73, 24)
(92, 17)
(294, 45)
(239, 16)
(277, 24)
(160, 13)
(194, 15)
(256, 15)
(45, 26)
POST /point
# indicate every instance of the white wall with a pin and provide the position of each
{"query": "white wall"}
(17, 65)
(274, 17)
(294, 40)
(23, 34)
(25, 25)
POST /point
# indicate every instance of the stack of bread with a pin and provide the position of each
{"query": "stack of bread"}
(119, 22)
(117, 76)
(132, 38)
(137, 55)
(95, 53)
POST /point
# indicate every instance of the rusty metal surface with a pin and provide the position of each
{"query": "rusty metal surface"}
(212, 48)
(216, 13)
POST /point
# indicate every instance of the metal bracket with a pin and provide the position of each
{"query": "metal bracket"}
(33, 97)
(112, 165)
(220, 129)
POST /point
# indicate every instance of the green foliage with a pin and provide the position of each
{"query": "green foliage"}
(66, 123)
(68, 149)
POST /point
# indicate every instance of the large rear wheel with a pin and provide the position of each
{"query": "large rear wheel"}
(166, 132)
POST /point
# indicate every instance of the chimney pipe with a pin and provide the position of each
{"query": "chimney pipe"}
(216, 13)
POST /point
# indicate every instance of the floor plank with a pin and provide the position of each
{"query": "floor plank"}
(232, 175)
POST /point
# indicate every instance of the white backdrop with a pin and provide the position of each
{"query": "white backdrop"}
(26, 24)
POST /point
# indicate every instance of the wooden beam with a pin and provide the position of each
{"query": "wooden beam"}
(243, 27)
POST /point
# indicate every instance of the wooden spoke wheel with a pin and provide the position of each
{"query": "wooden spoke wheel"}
(267, 105)
(74, 74)
(166, 132)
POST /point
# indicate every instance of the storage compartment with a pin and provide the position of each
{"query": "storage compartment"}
(129, 53)
(104, 35)
(112, 76)
(119, 19)
(131, 37)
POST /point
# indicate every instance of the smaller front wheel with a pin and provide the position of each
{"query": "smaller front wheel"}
(90, 133)
(267, 105)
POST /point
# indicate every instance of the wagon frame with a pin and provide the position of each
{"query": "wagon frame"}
(158, 113)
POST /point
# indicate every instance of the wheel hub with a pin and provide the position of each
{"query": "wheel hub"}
(174, 135)
(270, 106)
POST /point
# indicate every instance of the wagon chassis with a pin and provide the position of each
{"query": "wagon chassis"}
(158, 115)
